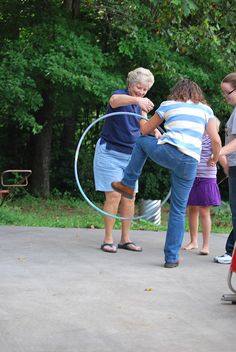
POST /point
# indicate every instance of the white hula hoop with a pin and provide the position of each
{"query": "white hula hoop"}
(77, 176)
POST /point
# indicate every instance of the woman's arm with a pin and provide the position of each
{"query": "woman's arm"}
(229, 148)
(118, 100)
(147, 127)
(224, 163)
(155, 133)
(215, 141)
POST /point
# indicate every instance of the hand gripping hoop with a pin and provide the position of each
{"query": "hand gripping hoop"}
(77, 175)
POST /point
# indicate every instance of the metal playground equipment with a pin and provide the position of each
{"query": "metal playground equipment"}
(232, 270)
(10, 180)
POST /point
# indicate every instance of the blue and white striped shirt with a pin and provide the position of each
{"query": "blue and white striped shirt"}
(185, 123)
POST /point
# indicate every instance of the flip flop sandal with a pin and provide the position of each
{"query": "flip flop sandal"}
(114, 249)
(128, 247)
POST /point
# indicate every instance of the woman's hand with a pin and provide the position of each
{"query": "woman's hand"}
(145, 104)
(212, 161)
(157, 133)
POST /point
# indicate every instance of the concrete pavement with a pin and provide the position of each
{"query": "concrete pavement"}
(60, 293)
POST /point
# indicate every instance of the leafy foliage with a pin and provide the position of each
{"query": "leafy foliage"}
(77, 58)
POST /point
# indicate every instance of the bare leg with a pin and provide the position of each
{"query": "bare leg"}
(110, 206)
(205, 216)
(193, 216)
(127, 211)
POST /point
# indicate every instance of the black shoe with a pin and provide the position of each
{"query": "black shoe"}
(171, 265)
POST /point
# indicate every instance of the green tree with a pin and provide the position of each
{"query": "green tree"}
(60, 61)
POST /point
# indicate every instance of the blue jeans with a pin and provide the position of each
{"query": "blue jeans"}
(183, 171)
(229, 247)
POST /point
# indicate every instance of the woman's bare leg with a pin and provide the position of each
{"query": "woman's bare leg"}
(127, 211)
(111, 205)
(205, 216)
(193, 216)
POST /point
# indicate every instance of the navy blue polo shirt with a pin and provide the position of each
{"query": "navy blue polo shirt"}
(120, 132)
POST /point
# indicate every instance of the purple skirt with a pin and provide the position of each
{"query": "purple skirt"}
(205, 192)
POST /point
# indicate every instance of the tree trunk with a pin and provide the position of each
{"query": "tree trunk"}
(42, 148)
(66, 170)
(68, 133)
(73, 6)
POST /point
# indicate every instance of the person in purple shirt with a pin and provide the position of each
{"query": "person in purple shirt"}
(204, 194)
(113, 152)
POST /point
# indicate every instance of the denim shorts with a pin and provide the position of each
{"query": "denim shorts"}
(108, 166)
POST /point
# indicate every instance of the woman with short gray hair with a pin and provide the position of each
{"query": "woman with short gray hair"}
(113, 151)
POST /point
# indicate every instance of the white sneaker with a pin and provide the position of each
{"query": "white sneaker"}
(223, 259)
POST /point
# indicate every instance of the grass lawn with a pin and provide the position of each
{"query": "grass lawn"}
(68, 212)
